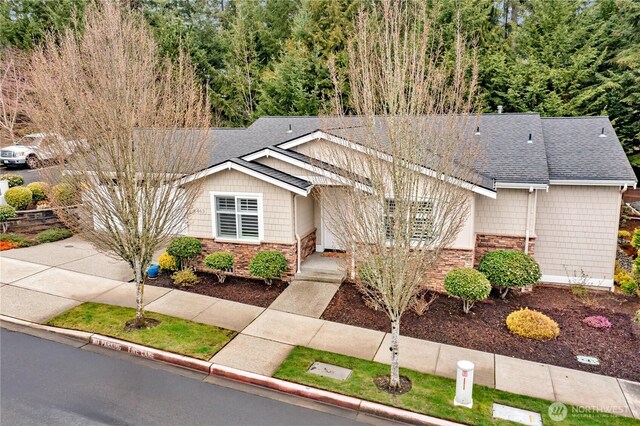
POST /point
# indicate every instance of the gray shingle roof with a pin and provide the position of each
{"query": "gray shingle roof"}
(576, 151)
(321, 164)
(273, 173)
(561, 148)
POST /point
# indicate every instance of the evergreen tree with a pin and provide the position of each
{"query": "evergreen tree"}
(24, 23)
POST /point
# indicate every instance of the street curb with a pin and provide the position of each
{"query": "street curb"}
(235, 374)
(74, 334)
(283, 386)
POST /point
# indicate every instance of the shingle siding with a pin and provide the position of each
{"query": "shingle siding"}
(576, 227)
(277, 206)
(504, 215)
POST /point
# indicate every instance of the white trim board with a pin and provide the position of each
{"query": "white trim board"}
(357, 147)
(563, 279)
(268, 153)
(230, 165)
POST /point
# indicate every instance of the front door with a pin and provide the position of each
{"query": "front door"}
(329, 239)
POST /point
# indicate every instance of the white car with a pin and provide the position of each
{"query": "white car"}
(32, 151)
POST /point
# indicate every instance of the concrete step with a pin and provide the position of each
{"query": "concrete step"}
(324, 277)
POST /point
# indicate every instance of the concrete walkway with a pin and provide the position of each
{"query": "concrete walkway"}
(38, 290)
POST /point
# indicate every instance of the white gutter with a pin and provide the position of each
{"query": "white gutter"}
(593, 182)
(295, 231)
(521, 185)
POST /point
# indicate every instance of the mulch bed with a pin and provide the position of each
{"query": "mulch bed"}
(237, 289)
(484, 328)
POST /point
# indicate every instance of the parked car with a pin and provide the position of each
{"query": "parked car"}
(34, 150)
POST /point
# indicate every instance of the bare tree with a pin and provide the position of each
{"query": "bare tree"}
(132, 125)
(408, 160)
(13, 89)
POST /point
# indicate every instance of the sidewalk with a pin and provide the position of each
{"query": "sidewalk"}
(37, 292)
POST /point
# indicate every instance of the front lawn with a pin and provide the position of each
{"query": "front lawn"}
(432, 395)
(177, 335)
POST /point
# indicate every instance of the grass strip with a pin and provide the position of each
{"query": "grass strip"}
(432, 395)
(176, 335)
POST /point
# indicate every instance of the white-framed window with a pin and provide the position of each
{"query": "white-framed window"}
(237, 216)
(422, 224)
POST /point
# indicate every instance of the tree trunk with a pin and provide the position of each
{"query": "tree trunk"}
(139, 277)
(394, 378)
(466, 306)
(503, 292)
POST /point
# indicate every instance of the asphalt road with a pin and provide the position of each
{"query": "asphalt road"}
(49, 383)
(32, 175)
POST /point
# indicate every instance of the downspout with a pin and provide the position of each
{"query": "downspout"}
(526, 234)
(295, 231)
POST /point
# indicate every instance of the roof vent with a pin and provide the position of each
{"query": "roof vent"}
(530, 140)
(478, 131)
(602, 134)
(499, 109)
(290, 130)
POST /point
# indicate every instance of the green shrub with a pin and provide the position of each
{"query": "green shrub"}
(183, 249)
(629, 287)
(17, 240)
(167, 262)
(532, 325)
(624, 235)
(6, 213)
(39, 190)
(506, 269)
(185, 278)
(221, 263)
(467, 284)
(14, 180)
(53, 234)
(268, 265)
(63, 194)
(635, 240)
(18, 197)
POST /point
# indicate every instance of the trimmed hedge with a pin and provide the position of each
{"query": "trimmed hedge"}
(14, 180)
(53, 234)
(18, 197)
(184, 248)
(467, 284)
(185, 278)
(532, 325)
(167, 262)
(268, 265)
(6, 213)
(221, 263)
(39, 190)
(63, 194)
(506, 269)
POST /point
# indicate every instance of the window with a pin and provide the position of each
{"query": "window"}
(421, 225)
(237, 217)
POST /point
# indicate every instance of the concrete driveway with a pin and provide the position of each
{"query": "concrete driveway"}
(73, 254)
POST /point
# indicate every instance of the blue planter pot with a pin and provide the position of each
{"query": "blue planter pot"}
(153, 270)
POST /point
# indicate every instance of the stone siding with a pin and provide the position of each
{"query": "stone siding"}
(486, 243)
(308, 245)
(449, 259)
(244, 252)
